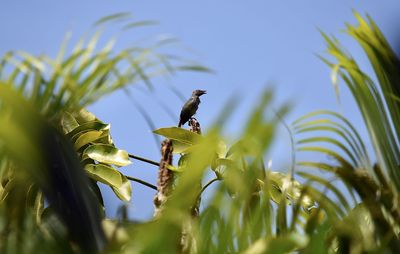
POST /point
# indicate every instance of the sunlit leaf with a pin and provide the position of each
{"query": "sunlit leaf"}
(284, 244)
(225, 162)
(110, 176)
(124, 192)
(173, 168)
(88, 126)
(114, 231)
(107, 154)
(180, 147)
(179, 134)
(87, 138)
(84, 116)
(104, 174)
(280, 182)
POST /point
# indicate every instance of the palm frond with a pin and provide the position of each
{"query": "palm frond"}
(376, 186)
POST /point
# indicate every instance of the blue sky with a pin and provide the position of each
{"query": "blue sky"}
(250, 45)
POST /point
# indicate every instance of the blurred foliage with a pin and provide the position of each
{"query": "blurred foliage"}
(373, 224)
(48, 141)
(53, 153)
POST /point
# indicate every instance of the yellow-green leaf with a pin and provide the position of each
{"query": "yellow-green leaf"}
(107, 154)
(124, 192)
(277, 245)
(86, 138)
(89, 126)
(110, 176)
(280, 183)
(175, 169)
(68, 122)
(225, 162)
(180, 147)
(104, 174)
(84, 116)
(179, 134)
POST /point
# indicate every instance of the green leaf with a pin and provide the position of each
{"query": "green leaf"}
(104, 139)
(281, 217)
(140, 24)
(104, 174)
(280, 183)
(114, 232)
(224, 162)
(110, 176)
(87, 138)
(180, 147)
(175, 169)
(327, 185)
(107, 154)
(277, 245)
(68, 122)
(221, 149)
(198, 68)
(179, 134)
(125, 191)
(113, 17)
(84, 116)
(88, 126)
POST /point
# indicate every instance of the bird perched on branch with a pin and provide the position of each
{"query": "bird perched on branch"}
(190, 107)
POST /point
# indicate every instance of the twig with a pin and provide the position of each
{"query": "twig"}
(208, 184)
(143, 159)
(292, 168)
(142, 182)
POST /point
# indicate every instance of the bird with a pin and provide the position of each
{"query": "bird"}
(190, 107)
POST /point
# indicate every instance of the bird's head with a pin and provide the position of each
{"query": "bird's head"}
(199, 92)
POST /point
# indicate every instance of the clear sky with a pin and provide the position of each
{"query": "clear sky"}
(250, 45)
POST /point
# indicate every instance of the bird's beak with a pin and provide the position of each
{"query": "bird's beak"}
(203, 92)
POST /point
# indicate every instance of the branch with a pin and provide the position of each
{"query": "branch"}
(142, 182)
(144, 160)
(292, 168)
(206, 186)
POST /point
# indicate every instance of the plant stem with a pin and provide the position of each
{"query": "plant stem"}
(208, 184)
(144, 160)
(293, 164)
(142, 182)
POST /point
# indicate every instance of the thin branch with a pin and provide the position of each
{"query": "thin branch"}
(142, 182)
(144, 160)
(293, 152)
(206, 186)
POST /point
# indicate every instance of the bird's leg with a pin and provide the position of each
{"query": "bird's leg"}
(190, 120)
